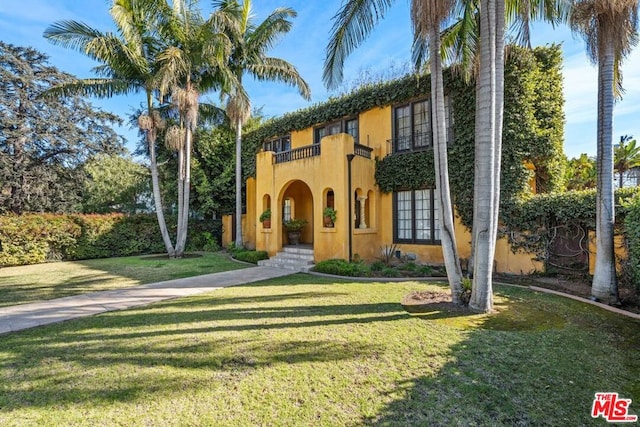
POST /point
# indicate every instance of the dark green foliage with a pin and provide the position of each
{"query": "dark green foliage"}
(341, 267)
(115, 184)
(31, 239)
(417, 171)
(250, 256)
(632, 238)
(532, 222)
(44, 141)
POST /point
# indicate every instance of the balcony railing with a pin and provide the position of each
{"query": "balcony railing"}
(362, 151)
(297, 153)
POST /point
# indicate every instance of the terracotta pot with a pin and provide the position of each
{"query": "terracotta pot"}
(266, 223)
(294, 237)
(328, 222)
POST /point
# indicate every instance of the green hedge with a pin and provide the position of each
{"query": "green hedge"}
(632, 239)
(250, 256)
(341, 267)
(35, 238)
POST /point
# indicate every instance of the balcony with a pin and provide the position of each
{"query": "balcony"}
(309, 151)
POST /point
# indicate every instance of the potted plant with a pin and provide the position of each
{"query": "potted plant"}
(265, 218)
(294, 229)
(329, 214)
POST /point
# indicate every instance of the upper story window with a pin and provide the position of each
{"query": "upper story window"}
(412, 128)
(278, 145)
(348, 126)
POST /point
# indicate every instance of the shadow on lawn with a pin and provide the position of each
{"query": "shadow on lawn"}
(60, 366)
(521, 366)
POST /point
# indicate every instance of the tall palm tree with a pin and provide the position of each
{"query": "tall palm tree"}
(192, 62)
(427, 17)
(128, 64)
(626, 155)
(609, 28)
(250, 45)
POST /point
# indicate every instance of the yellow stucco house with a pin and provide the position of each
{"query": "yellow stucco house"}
(304, 165)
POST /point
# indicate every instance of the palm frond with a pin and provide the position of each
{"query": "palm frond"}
(352, 25)
(100, 88)
(276, 69)
(266, 35)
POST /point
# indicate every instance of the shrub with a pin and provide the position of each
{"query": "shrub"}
(377, 266)
(35, 238)
(342, 267)
(425, 270)
(390, 272)
(250, 256)
(632, 239)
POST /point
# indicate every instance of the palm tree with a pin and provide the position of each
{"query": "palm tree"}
(581, 173)
(427, 17)
(609, 28)
(488, 149)
(249, 56)
(626, 155)
(128, 64)
(192, 62)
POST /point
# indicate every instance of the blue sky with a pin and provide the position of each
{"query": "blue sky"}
(388, 47)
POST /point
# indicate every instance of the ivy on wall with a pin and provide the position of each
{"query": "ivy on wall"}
(532, 222)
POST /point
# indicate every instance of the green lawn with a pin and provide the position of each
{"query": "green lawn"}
(303, 350)
(29, 283)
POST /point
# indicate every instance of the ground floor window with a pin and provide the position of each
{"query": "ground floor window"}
(416, 217)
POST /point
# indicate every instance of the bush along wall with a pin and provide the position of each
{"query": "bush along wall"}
(631, 266)
(36, 238)
(533, 222)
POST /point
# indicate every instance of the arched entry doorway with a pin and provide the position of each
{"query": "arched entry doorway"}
(296, 202)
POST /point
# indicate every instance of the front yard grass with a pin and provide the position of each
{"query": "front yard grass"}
(30, 283)
(304, 350)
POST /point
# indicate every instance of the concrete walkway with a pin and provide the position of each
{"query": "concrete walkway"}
(26, 316)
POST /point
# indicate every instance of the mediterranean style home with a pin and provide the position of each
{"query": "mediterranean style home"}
(368, 156)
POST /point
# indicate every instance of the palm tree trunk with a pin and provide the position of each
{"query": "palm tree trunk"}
(621, 175)
(180, 231)
(155, 184)
(186, 185)
(447, 233)
(605, 286)
(487, 156)
(239, 241)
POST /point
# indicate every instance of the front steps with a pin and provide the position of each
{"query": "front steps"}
(292, 258)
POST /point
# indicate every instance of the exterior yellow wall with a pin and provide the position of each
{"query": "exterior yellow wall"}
(374, 130)
(618, 246)
(301, 138)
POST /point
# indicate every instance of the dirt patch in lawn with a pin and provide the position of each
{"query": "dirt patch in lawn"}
(430, 301)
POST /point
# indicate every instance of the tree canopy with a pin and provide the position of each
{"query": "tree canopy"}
(44, 141)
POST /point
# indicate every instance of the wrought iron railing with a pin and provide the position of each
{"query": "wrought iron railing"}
(297, 153)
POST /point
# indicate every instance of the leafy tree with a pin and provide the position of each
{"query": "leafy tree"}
(626, 155)
(43, 142)
(609, 28)
(581, 173)
(114, 184)
(250, 44)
